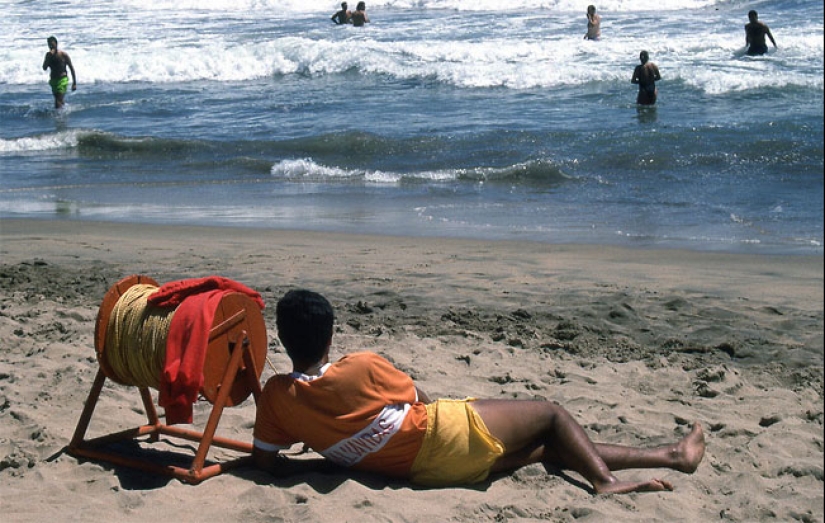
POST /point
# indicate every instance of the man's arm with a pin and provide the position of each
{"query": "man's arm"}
(71, 68)
(281, 466)
(635, 78)
(422, 396)
(47, 60)
(768, 32)
(656, 75)
(271, 461)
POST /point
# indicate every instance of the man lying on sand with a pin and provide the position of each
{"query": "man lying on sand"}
(363, 413)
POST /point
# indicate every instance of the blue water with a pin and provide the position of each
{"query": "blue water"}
(440, 118)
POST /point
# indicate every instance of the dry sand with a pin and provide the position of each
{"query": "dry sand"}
(635, 343)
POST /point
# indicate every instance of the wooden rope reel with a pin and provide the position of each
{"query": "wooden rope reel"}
(232, 369)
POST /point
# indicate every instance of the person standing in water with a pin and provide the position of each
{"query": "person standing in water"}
(594, 23)
(755, 32)
(58, 61)
(343, 16)
(359, 17)
(645, 76)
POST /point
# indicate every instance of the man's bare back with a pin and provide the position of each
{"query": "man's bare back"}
(755, 33)
(645, 76)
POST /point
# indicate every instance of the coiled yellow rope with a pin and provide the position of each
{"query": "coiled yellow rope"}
(136, 338)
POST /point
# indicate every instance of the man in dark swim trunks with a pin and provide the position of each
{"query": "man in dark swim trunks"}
(755, 32)
(646, 75)
(58, 61)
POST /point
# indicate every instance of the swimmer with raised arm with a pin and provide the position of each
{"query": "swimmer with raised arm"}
(58, 62)
(594, 24)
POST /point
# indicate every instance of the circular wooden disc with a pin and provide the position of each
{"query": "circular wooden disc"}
(105, 312)
(219, 350)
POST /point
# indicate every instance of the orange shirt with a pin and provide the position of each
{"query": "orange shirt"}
(361, 412)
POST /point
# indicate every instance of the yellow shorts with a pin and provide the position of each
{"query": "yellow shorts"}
(457, 449)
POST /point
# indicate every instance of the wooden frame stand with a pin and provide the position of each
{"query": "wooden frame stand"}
(232, 370)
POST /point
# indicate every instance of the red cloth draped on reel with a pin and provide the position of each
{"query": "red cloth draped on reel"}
(196, 300)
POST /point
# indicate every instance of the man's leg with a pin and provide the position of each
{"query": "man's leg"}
(59, 91)
(541, 431)
(684, 456)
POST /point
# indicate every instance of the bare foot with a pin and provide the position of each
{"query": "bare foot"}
(690, 451)
(623, 487)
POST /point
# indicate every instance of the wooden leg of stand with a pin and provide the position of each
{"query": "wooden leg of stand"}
(88, 410)
(220, 402)
(151, 413)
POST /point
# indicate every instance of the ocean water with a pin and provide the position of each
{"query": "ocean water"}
(456, 118)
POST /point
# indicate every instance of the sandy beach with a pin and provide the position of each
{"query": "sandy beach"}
(637, 344)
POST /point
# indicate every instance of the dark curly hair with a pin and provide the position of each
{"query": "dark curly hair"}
(304, 319)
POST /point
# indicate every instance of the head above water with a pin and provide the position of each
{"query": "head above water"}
(644, 57)
(52, 41)
(343, 5)
(305, 321)
(591, 9)
(361, 6)
(753, 16)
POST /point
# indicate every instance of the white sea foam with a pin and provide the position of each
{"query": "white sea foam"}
(315, 6)
(306, 169)
(538, 45)
(59, 140)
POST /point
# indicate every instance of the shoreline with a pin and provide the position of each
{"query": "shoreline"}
(805, 270)
(811, 249)
(637, 344)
